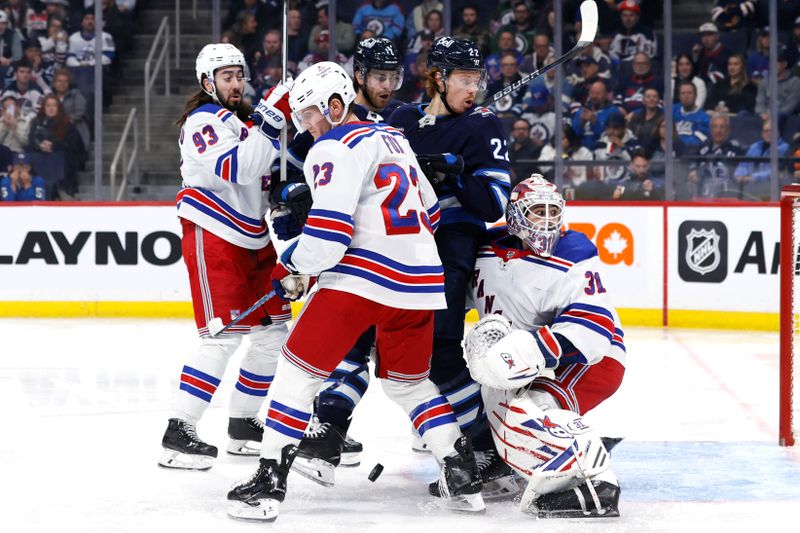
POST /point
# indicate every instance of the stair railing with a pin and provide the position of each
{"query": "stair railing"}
(178, 29)
(160, 43)
(129, 156)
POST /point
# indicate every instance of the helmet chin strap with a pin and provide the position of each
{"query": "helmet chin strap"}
(443, 95)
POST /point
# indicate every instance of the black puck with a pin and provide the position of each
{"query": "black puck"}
(376, 472)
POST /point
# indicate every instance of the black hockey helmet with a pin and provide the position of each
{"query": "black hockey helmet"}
(450, 53)
(378, 53)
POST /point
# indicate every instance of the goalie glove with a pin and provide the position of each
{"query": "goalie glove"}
(272, 112)
(441, 169)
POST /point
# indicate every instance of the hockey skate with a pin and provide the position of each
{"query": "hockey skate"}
(183, 449)
(351, 452)
(245, 435)
(499, 479)
(459, 483)
(601, 500)
(259, 497)
(319, 454)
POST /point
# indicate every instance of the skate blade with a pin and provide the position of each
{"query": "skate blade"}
(316, 470)
(183, 461)
(465, 503)
(350, 460)
(500, 489)
(244, 447)
(608, 512)
(265, 510)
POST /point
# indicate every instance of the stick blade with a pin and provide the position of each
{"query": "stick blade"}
(589, 21)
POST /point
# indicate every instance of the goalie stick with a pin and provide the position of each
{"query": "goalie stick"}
(588, 32)
(215, 325)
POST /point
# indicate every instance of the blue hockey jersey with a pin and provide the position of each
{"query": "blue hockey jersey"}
(482, 190)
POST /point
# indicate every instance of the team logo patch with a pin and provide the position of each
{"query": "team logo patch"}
(508, 359)
(554, 429)
(703, 251)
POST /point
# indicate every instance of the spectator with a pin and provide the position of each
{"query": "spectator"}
(28, 94)
(52, 133)
(119, 26)
(74, 103)
(433, 27)
(539, 114)
(267, 14)
(589, 74)
(758, 59)
(426, 39)
(714, 176)
(55, 44)
(512, 104)
(754, 178)
(11, 42)
(737, 92)
(522, 26)
(630, 89)
(505, 43)
(415, 21)
(633, 36)
(685, 71)
(297, 38)
(522, 148)
(21, 185)
(19, 15)
(548, 81)
(731, 15)
(345, 37)
(41, 72)
(691, 122)
(414, 89)
(710, 55)
(616, 144)
(788, 90)
(574, 175)
(380, 16)
(472, 29)
(81, 44)
(658, 153)
(243, 35)
(596, 53)
(15, 125)
(589, 121)
(638, 184)
(793, 48)
(323, 43)
(787, 11)
(542, 54)
(644, 122)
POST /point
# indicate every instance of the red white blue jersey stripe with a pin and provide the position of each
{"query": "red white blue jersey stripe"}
(357, 135)
(388, 273)
(223, 114)
(302, 365)
(329, 225)
(286, 420)
(434, 216)
(431, 414)
(227, 166)
(214, 207)
(198, 384)
(593, 317)
(253, 384)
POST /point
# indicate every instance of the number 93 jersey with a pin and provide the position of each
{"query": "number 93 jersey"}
(225, 167)
(370, 229)
(564, 291)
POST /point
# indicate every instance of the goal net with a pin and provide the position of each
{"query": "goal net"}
(790, 316)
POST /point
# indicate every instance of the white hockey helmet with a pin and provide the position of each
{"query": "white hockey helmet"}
(215, 56)
(315, 86)
(539, 232)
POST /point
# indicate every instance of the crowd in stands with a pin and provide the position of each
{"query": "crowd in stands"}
(47, 63)
(612, 98)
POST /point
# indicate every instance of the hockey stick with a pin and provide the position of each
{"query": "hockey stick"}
(588, 31)
(215, 326)
(284, 65)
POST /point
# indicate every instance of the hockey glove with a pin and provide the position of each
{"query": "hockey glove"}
(287, 284)
(284, 224)
(272, 112)
(441, 169)
(296, 196)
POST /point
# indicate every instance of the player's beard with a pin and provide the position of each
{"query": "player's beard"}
(241, 109)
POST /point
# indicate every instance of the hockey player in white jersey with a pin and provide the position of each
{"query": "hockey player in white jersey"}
(548, 348)
(369, 239)
(222, 206)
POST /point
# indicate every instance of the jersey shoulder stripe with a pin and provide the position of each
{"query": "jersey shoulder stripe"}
(617, 341)
(209, 108)
(329, 225)
(213, 206)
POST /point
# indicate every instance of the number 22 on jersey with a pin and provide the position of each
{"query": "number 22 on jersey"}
(401, 183)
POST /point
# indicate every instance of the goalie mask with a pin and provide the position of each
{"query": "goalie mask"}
(215, 56)
(534, 214)
(314, 87)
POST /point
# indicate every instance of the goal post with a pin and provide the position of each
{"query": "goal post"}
(789, 426)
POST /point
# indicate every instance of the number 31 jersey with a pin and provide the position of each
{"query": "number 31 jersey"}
(563, 291)
(370, 229)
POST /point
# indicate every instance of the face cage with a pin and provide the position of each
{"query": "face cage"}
(210, 77)
(540, 237)
(482, 81)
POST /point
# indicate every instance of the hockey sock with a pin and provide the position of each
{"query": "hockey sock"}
(257, 370)
(464, 396)
(201, 375)
(431, 414)
(339, 399)
(291, 399)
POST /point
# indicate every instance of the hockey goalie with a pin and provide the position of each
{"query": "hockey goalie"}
(548, 348)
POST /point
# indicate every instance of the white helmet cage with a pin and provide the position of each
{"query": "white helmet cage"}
(315, 86)
(216, 56)
(539, 233)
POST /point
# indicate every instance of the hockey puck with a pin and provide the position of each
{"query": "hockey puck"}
(376, 472)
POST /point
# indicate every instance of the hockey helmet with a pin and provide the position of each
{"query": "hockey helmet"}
(539, 229)
(215, 56)
(378, 53)
(450, 53)
(315, 86)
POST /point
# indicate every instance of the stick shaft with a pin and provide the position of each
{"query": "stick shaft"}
(284, 66)
(261, 301)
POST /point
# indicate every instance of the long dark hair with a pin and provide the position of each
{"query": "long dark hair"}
(200, 98)
(694, 67)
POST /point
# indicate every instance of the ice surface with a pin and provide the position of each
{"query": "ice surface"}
(85, 402)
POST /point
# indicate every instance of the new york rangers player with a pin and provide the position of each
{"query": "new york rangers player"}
(369, 239)
(548, 348)
(227, 252)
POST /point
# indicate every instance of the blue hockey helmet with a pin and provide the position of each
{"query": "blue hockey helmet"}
(450, 53)
(378, 53)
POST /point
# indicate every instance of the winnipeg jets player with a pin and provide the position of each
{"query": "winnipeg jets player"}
(369, 239)
(227, 252)
(548, 348)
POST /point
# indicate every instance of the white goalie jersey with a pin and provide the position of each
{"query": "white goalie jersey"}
(563, 291)
(225, 167)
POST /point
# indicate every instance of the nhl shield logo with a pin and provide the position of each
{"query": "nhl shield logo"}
(702, 251)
